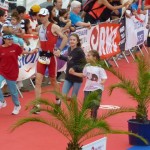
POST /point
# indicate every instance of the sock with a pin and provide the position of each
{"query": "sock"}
(58, 101)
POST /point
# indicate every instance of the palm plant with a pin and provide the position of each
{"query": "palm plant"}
(73, 120)
(138, 89)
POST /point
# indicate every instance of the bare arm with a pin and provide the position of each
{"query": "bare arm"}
(83, 24)
(56, 29)
(108, 5)
(71, 71)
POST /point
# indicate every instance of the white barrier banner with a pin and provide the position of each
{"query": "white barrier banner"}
(136, 32)
(97, 145)
(27, 63)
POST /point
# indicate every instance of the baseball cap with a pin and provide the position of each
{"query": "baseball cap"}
(36, 8)
(7, 36)
(43, 12)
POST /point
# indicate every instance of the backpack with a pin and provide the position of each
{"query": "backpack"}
(88, 5)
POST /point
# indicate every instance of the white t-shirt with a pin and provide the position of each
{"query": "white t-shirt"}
(94, 75)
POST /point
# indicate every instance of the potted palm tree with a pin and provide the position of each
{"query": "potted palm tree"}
(139, 90)
(73, 120)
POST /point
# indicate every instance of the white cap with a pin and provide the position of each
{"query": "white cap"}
(75, 4)
(43, 11)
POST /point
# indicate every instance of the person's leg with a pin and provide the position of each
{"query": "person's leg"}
(76, 87)
(1, 94)
(13, 91)
(38, 82)
(56, 88)
(66, 87)
(95, 108)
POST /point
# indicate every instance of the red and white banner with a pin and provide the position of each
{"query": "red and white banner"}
(104, 38)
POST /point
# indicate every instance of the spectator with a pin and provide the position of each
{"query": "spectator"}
(34, 17)
(101, 11)
(75, 60)
(58, 6)
(52, 14)
(14, 27)
(95, 78)
(46, 4)
(75, 17)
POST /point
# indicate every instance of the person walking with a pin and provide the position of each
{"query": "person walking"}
(48, 34)
(95, 78)
(9, 69)
(76, 60)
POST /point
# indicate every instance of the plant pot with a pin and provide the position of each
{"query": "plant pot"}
(142, 129)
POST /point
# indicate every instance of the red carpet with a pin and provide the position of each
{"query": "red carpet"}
(35, 136)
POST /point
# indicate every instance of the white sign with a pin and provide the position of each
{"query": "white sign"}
(97, 145)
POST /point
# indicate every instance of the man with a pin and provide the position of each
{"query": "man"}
(75, 18)
(46, 4)
(48, 34)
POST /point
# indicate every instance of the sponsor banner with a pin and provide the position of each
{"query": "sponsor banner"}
(136, 32)
(104, 38)
(97, 145)
(27, 63)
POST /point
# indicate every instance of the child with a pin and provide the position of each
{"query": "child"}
(14, 27)
(95, 78)
(64, 20)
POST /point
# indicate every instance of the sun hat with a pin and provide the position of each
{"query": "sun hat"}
(35, 8)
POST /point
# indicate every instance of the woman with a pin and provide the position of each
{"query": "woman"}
(9, 69)
(52, 14)
(75, 60)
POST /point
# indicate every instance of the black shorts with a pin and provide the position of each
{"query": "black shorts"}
(148, 41)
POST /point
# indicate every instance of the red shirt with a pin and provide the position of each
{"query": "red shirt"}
(147, 2)
(9, 68)
(50, 39)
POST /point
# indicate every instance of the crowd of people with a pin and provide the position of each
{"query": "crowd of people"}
(50, 21)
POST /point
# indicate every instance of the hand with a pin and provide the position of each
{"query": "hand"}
(71, 71)
(57, 53)
(126, 4)
(89, 25)
(34, 51)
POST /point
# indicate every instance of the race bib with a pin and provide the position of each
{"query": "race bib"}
(44, 60)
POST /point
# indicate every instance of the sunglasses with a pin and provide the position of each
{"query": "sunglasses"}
(42, 16)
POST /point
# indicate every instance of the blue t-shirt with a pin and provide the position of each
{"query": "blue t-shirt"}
(75, 18)
(134, 6)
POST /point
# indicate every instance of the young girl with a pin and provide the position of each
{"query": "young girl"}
(14, 27)
(64, 20)
(95, 78)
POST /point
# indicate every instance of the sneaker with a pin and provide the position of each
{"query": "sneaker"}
(3, 104)
(35, 109)
(6, 94)
(16, 110)
(57, 106)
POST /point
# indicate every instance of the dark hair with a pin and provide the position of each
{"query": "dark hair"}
(26, 22)
(5, 33)
(2, 13)
(95, 54)
(15, 15)
(62, 12)
(20, 9)
(31, 13)
(78, 39)
(51, 18)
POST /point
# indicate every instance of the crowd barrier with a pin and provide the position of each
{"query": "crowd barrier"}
(108, 39)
